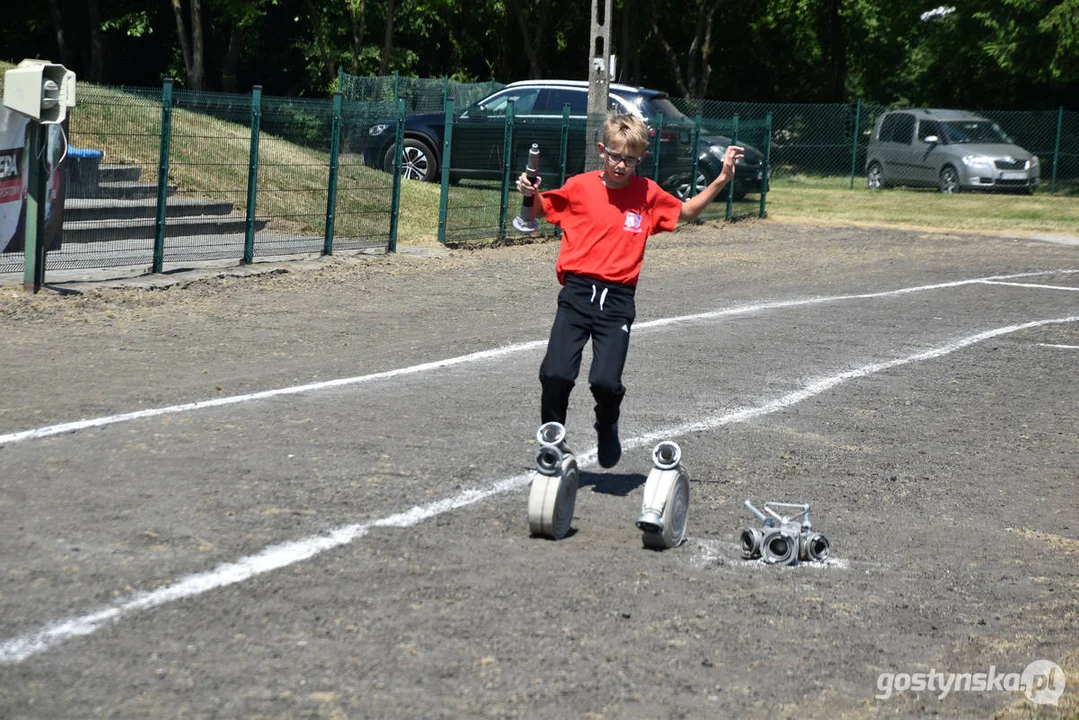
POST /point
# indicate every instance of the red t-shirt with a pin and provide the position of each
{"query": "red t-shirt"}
(605, 230)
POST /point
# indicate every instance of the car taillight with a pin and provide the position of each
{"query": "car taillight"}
(664, 136)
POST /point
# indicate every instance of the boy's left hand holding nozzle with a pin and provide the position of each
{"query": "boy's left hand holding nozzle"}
(527, 186)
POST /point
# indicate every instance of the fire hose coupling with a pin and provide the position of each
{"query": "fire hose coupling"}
(666, 455)
(665, 505)
(551, 437)
(554, 489)
(783, 540)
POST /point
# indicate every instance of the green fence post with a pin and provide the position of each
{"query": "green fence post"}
(1056, 150)
(659, 140)
(331, 190)
(730, 186)
(767, 180)
(507, 167)
(395, 199)
(444, 197)
(445, 88)
(396, 85)
(340, 79)
(164, 149)
(564, 147)
(854, 144)
(253, 174)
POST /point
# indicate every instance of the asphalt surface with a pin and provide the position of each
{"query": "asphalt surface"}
(300, 490)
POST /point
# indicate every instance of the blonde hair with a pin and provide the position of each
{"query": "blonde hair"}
(630, 129)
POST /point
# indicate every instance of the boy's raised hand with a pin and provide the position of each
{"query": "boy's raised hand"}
(527, 187)
(730, 156)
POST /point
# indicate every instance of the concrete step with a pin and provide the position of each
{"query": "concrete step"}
(84, 209)
(146, 229)
(119, 173)
(117, 190)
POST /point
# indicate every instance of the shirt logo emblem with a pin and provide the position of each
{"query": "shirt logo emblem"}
(633, 222)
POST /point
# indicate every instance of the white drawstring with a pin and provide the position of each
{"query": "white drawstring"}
(602, 297)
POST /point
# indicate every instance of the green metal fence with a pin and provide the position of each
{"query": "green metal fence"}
(480, 161)
(826, 144)
(171, 177)
(159, 177)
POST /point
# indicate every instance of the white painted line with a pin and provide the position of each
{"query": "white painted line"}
(296, 389)
(85, 424)
(1061, 347)
(782, 304)
(1031, 285)
(17, 649)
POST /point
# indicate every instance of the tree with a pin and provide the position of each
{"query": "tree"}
(67, 57)
(531, 32)
(1035, 38)
(387, 42)
(357, 15)
(192, 47)
(693, 81)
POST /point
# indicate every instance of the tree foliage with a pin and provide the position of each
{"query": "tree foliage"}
(966, 53)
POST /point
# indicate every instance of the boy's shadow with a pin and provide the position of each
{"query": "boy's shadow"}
(620, 484)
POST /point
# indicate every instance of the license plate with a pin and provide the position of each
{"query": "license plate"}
(1013, 175)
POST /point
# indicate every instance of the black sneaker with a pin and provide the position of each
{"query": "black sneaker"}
(609, 447)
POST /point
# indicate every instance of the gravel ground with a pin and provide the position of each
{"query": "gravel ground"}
(932, 422)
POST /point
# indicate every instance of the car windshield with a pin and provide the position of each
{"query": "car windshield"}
(974, 131)
(650, 107)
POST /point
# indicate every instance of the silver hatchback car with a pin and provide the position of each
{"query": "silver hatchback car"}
(951, 149)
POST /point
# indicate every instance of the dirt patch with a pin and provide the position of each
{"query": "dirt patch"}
(946, 483)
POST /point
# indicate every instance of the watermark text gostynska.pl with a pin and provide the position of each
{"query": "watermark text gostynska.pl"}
(1042, 682)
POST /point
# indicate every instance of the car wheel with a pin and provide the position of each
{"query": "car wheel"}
(680, 188)
(417, 160)
(949, 180)
(875, 177)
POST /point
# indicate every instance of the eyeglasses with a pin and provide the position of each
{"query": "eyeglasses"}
(615, 158)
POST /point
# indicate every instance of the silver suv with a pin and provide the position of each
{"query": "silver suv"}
(951, 149)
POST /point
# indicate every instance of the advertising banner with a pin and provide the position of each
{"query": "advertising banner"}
(14, 176)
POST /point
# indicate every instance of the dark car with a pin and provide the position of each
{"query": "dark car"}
(478, 137)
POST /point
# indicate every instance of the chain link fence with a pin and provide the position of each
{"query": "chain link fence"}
(421, 95)
(160, 177)
(157, 177)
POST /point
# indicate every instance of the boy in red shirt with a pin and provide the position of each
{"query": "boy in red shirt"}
(606, 218)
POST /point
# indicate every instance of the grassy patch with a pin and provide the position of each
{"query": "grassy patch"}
(800, 199)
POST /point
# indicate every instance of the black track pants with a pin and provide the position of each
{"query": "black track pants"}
(604, 312)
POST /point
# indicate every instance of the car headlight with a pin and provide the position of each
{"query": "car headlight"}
(977, 161)
(1033, 162)
(377, 129)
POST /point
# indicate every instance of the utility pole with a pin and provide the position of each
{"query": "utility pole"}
(599, 79)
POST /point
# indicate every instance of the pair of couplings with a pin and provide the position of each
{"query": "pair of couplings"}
(784, 545)
(552, 441)
(781, 541)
